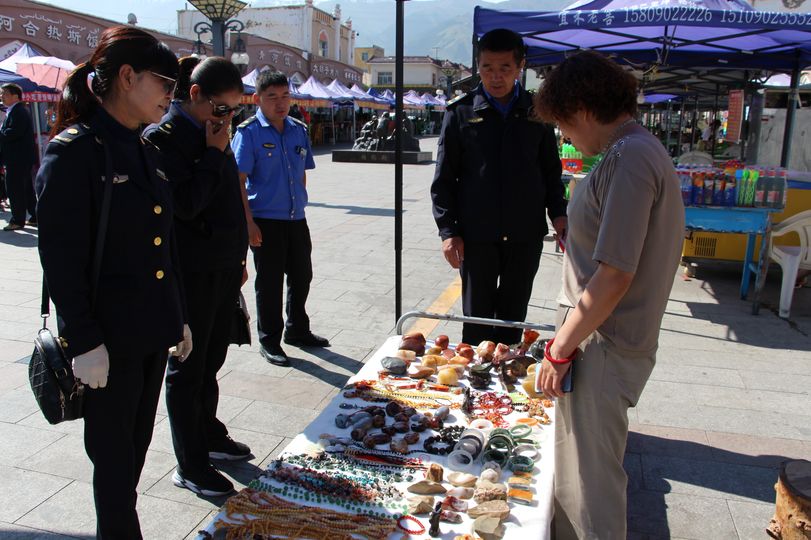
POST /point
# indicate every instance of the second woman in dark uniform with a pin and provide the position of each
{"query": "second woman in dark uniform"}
(213, 243)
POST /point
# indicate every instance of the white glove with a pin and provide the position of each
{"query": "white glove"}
(92, 367)
(183, 349)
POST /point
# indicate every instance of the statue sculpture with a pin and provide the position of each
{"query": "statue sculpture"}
(378, 135)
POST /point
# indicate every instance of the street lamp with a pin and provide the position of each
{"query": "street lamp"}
(218, 12)
(198, 49)
(240, 57)
(449, 70)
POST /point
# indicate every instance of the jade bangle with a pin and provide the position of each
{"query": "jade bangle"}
(521, 464)
(520, 431)
(501, 458)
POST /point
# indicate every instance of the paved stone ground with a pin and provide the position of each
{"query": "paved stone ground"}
(727, 402)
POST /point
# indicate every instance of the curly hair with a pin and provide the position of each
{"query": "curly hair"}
(586, 81)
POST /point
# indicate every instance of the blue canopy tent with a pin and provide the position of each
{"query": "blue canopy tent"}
(705, 40)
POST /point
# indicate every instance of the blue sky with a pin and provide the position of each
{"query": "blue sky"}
(155, 14)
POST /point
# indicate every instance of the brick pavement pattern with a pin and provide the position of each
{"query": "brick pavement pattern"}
(729, 398)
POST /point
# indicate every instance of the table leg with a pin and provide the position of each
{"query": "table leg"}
(762, 267)
(750, 252)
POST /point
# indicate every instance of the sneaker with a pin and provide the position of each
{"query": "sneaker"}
(307, 340)
(12, 227)
(229, 450)
(209, 483)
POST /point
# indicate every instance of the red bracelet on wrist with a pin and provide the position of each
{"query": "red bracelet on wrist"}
(547, 355)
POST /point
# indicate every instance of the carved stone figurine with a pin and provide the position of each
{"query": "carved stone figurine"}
(434, 520)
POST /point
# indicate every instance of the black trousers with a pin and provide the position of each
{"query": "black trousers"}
(285, 250)
(497, 283)
(192, 392)
(118, 421)
(20, 191)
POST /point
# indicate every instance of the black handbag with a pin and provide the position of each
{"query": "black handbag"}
(59, 395)
(241, 323)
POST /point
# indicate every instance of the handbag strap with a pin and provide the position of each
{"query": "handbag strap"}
(101, 236)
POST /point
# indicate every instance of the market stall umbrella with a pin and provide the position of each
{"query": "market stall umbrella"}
(46, 70)
(700, 36)
(25, 51)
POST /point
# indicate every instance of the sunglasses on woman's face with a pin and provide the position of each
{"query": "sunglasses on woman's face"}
(169, 83)
(224, 110)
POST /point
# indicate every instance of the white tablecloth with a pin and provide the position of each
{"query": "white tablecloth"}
(524, 523)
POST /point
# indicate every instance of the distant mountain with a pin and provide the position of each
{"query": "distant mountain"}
(439, 28)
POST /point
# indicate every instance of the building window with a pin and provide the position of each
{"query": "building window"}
(364, 56)
(433, 79)
(385, 78)
(323, 44)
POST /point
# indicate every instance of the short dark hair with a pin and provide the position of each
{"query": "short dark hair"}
(503, 40)
(15, 89)
(587, 81)
(269, 78)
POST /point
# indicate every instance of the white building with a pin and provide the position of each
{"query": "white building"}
(304, 27)
(421, 73)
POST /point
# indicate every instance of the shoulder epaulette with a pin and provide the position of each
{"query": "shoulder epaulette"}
(166, 127)
(247, 122)
(72, 133)
(455, 100)
(299, 122)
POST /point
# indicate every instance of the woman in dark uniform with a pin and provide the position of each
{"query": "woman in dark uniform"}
(212, 242)
(120, 342)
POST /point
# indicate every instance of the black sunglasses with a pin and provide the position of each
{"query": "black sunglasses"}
(169, 84)
(224, 110)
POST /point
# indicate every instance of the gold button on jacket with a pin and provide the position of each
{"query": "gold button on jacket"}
(159, 274)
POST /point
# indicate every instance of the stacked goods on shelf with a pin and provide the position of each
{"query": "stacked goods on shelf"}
(733, 185)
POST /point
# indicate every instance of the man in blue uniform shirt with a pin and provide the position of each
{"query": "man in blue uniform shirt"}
(273, 154)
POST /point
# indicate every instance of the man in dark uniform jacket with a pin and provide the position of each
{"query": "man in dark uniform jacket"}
(18, 155)
(497, 171)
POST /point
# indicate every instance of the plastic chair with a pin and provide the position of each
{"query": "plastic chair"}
(792, 258)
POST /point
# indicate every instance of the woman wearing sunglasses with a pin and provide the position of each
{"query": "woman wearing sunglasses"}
(117, 325)
(213, 242)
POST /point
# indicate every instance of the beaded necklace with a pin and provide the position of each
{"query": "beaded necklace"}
(250, 513)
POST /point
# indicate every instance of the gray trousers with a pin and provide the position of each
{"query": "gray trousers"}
(591, 430)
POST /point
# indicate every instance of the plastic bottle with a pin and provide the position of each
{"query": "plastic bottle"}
(709, 184)
(697, 179)
(777, 195)
(686, 186)
(741, 187)
(730, 190)
(749, 196)
(764, 184)
(718, 188)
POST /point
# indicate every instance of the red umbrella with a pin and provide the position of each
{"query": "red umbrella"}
(46, 70)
